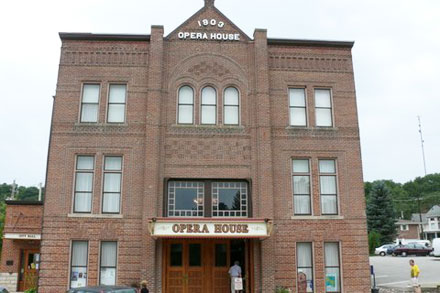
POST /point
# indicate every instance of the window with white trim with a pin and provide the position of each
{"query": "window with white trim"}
(116, 103)
(185, 109)
(111, 196)
(231, 107)
(229, 199)
(78, 264)
(297, 107)
(83, 189)
(90, 103)
(185, 198)
(301, 187)
(328, 187)
(323, 107)
(332, 267)
(404, 228)
(209, 106)
(108, 263)
(304, 262)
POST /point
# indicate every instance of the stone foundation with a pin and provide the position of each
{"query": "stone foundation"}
(9, 281)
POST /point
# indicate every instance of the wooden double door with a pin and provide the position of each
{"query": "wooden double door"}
(198, 266)
(30, 261)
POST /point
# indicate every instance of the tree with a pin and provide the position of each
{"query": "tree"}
(381, 216)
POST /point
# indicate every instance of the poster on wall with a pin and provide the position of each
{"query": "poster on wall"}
(78, 277)
(331, 283)
(108, 276)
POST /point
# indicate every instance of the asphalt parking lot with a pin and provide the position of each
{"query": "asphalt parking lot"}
(394, 271)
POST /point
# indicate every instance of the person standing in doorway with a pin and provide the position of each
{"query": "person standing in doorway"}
(144, 287)
(234, 272)
(415, 272)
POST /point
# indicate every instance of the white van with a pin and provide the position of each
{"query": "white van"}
(404, 241)
(436, 246)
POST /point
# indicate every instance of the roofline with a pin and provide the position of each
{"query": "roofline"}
(310, 43)
(24, 202)
(103, 37)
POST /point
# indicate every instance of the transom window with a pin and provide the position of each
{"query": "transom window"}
(229, 199)
(208, 198)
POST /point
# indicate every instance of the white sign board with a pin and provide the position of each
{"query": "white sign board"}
(228, 229)
(22, 236)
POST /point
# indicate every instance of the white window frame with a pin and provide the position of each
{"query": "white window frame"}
(332, 116)
(309, 174)
(71, 261)
(339, 266)
(116, 260)
(80, 120)
(293, 107)
(312, 262)
(336, 187)
(74, 183)
(202, 105)
(179, 104)
(238, 106)
(104, 171)
(108, 103)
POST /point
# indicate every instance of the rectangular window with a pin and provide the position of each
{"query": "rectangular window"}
(404, 228)
(328, 187)
(304, 255)
(229, 199)
(90, 103)
(78, 264)
(297, 106)
(107, 267)
(332, 267)
(83, 184)
(116, 103)
(185, 199)
(231, 106)
(323, 107)
(301, 187)
(111, 197)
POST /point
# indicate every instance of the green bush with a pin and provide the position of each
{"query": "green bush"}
(281, 289)
(32, 290)
(373, 241)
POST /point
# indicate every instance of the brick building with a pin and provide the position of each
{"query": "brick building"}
(173, 156)
(21, 245)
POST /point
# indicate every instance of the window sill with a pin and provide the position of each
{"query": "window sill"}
(97, 216)
(107, 124)
(316, 128)
(335, 217)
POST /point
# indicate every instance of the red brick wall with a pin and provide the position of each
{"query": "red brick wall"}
(412, 233)
(155, 148)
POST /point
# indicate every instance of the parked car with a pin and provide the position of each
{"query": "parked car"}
(383, 249)
(391, 249)
(103, 289)
(3, 290)
(412, 249)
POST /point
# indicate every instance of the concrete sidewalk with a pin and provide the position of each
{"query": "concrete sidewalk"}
(431, 288)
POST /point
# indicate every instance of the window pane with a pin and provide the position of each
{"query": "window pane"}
(90, 93)
(186, 199)
(327, 166)
(110, 202)
(195, 255)
(297, 98)
(108, 254)
(186, 114)
(323, 117)
(220, 255)
(209, 96)
(322, 98)
(84, 162)
(327, 184)
(329, 205)
(89, 113)
(302, 204)
(308, 272)
(208, 114)
(186, 95)
(84, 182)
(79, 253)
(108, 276)
(298, 117)
(117, 93)
(304, 254)
(332, 280)
(231, 115)
(116, 113)
(332, 254)
(83, 202)
(112, 182)
(301, 184)
(231, 96)
(113, 163)
(301, 166)
(229, 199)
(176, 252)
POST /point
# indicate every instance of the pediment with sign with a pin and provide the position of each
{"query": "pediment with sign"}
(208, 24)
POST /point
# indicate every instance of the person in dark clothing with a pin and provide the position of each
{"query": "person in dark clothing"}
(144, 287)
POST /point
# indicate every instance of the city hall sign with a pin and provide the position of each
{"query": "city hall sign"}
(210, 228)
(213, 36)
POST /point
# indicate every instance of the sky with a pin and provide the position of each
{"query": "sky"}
(396, 61)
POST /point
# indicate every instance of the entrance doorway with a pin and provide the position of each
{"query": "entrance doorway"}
(197, 266)
(28, 277)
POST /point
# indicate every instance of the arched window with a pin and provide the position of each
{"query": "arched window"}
(209, 106)
(185, 110)
(231, 106)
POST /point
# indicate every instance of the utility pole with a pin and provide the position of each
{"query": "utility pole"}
(422, 234)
